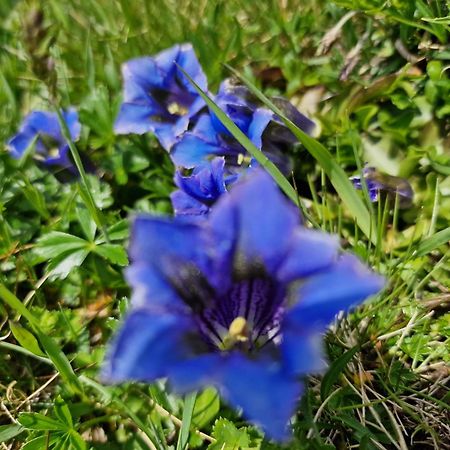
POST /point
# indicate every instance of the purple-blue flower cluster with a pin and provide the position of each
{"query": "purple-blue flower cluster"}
(159, 98)
(234, 291)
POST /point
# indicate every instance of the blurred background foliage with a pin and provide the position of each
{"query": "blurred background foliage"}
(373, 74)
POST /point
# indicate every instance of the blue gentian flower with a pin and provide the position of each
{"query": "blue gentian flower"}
(200, 190)
(42, 128)
(238, 301)
(158, 97)
(209, 137)
(379, 183)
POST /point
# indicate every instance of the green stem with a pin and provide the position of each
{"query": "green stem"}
(85, 187)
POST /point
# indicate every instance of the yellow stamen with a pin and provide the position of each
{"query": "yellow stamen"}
(238, 330)
(243, 159)
(176, 108)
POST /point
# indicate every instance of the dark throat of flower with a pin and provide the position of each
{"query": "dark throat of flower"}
(245, 317)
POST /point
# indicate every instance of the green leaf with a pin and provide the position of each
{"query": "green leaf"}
(35, 198)
(37, 421)
(10, 299)
(429, 244)
(262, 159)
(77, 442)
(25, 338)
(85, 187)
(40, 442)
(440, 20)
(188, 409)
(120, 230)
(339, 179)
(8, 432)
(87, 222)
(112, 252)
(207, 406)
(62, 412)
(335, 370)
(56, 243)
(228, 437)
(60, 361)
(55, 354)
(61, 266)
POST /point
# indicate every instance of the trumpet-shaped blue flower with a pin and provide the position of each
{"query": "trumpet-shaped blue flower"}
(238, 301)
(200, 190)
(210, 138)
(379, 183)
(42, 128)
(158, 97)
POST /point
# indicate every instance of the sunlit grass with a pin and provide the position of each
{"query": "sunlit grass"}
(387, 385)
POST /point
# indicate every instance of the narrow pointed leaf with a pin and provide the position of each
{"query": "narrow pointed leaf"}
(262, 159)
(339, 179)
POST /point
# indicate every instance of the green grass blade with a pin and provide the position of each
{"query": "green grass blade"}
(339, 179)
(335, 371)
(58, 358)
(10, 299)
(60, 361)
(85, 187)
(183, 437)
(108, 396)
(262, 159)
(430, 243)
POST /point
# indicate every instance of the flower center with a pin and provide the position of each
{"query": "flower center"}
(177, 109)
(246, 317)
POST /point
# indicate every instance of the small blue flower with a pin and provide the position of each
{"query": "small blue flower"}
(381, 183)
(209, 137)
(239, 301)
(42, 128)
(200, 190)
(158, 97)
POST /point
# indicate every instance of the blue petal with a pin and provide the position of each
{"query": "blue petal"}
(206, 183)
(20, 142)
(133, 118)
(165, 61)
(266, 394)
(237, 111)
(260, 120)
(169, 256)
(147, 83)
(197, 373)
(140, 75)
(152, 290)
(302, 353)
(189, 62)
(205, 130)
(344, 285)
(44, 122)
(295, 116)
(191, 150)
(139, 119)
(70, 116)
(155, 237)
(61, 159)
(168, 133)
(310, 251)
(256, 221)
(146, 346)
(185, 205)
